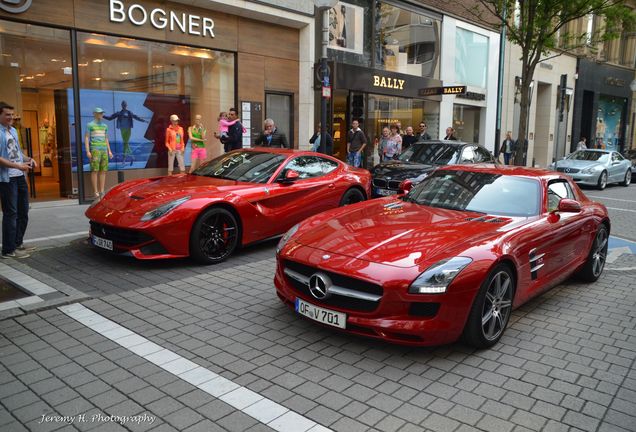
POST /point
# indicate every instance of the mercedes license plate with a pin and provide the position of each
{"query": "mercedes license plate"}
(325, 316)
(102, 243)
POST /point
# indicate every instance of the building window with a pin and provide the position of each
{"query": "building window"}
(280, 108)
(139, 85)
(471, 58)
(466, 121)
(406, 42)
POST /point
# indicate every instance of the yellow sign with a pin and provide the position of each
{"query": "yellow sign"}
(387, 82)
(454, 90)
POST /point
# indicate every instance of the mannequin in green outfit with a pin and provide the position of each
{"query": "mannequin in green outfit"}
(197, 134)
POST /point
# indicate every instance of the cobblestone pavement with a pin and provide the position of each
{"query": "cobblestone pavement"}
(566, 362)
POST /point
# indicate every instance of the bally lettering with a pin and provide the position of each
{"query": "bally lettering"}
(392, 83)
(454, 90)
(160, 19)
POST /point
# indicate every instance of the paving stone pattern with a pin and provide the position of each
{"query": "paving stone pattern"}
(565, 363)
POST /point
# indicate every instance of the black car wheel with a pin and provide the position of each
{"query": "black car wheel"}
(602, 181)
(214, 236)
(628, 178)
(352, 196)
(491, 309)
(595, 263)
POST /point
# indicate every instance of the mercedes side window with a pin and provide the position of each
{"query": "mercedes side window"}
(616, 157)
(558, 190)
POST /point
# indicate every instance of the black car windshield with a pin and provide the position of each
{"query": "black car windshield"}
(432, 154)
(244, 166)
(587, 155)
(487, 193)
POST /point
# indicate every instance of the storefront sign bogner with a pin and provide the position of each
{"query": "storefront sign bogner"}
(161, 19)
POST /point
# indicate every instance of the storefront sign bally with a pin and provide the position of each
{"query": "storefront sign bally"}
(161, 19)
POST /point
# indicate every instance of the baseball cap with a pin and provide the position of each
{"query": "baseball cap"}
(174, 117)
(98, 110)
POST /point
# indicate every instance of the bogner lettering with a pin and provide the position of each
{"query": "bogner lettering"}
(160, 19)
(392, 83)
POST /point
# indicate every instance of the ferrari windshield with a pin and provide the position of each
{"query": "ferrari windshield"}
(587, 155)
(244, 166)
(487, 193)
(432, 154)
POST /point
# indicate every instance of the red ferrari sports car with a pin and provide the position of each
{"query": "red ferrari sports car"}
(239, 198)
(452, 257)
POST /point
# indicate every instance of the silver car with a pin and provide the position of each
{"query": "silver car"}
(596, 167)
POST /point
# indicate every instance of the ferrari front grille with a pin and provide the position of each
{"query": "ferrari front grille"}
(119, 236)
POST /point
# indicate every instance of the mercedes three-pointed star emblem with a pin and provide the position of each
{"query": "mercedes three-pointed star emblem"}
(319, 284)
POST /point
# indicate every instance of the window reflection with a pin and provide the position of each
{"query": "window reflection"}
(406, 42)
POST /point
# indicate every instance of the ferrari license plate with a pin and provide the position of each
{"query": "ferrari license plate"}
(102, 243)
(325, 316)
(385, 192)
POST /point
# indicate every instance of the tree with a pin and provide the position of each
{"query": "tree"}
(537, 26)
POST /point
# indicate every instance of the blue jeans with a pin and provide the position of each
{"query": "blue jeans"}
(354, 159)
(14, 197)
(507, 158)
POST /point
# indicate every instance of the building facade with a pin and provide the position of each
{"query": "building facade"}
(141, 62)
(387, 59)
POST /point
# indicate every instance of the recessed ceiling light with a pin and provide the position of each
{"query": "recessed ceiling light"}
(55, 60)
(157, 66)
(124, 73)
(6, 55)
(97, 79)
(41, 74)
(82, 64)
(30, 77)
(98, 60)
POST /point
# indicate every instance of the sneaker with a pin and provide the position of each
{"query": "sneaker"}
(25, 248)
(16, 254)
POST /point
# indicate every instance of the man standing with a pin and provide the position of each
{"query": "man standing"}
(234, 140)
(450, 134)
(581, 145)
(423, 135)
(408, 138)
(507, 147)
(271, 136)
(125, 124)
(315, 141)
(356, 143)
(14, 191)
(98, 151)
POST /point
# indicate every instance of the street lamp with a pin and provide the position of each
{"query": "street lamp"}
(324, 6)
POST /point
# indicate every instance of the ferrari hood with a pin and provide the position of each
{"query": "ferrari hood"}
(155, 192)
(402, 234)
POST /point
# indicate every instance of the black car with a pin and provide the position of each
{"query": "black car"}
(631, 155)
(420, 159)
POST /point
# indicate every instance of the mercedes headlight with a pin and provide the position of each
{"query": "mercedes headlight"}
(589, 170)
(285, 238)
(164, 209)
(439, 276)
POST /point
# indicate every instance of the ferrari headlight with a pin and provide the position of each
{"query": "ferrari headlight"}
(164, 209)
(285, 238)
(438, 277)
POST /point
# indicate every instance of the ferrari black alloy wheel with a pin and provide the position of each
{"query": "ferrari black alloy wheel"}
(214, 236)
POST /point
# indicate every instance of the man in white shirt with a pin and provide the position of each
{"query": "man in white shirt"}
(14, 191)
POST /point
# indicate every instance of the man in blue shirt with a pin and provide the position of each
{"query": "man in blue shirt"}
(14, 191)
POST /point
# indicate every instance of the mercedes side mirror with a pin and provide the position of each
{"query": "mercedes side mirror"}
(567, 205)
(405, 186)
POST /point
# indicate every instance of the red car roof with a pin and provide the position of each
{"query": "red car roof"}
(520, 171)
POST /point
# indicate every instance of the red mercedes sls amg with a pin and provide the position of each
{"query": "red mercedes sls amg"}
(239, 198)
(452, 257)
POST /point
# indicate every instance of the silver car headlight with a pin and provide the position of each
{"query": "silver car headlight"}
(589, 170)
(285, 238)
(439, 276)
(164, 209)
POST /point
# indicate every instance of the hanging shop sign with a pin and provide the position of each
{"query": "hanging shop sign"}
(136, 14)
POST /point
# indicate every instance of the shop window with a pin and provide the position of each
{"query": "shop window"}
(471, 58)
(35, 69)
(139, 85)
(280, 108)
(406, 41)
(466, 121)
